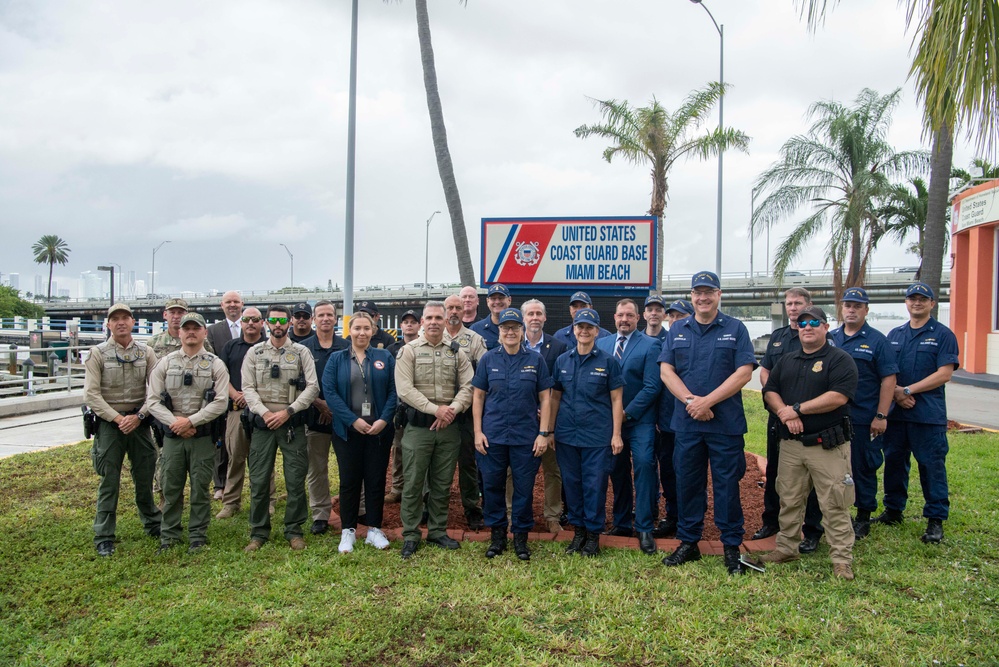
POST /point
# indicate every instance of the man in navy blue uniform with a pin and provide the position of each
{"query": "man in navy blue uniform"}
(706, 361)
(638, 355)
(498, 300)
(655, 316)
(666, 438)
(587, 412)
(876, 366)
(566, 334)
(927, 356)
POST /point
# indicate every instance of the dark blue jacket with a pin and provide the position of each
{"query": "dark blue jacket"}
(640, 370)
(336, 387)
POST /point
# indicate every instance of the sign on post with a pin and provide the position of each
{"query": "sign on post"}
(606, 253)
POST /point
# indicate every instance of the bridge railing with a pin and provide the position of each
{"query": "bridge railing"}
(27, 371)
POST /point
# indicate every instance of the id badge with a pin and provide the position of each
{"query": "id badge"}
(365, 409)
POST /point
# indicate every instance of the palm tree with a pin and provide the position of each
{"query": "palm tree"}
(956, 69)
(904, 213)
(444, 167)
(656, 137)
(51, 250)
(842, 168)
(965, 179)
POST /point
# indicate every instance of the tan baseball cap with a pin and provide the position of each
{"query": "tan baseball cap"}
(175, 303)
(119, 306)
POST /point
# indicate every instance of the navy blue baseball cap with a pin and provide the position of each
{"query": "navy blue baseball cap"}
(511, 315)
(410, 313)
(655, 300)
(582, 297)
(705, 279)
(497, 288)
(921, 289)
(586, 316)
(856, 295)
(681, 306)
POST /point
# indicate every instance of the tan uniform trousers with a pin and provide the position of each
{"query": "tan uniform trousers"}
(238, 446)
(828, 470)
(553, 487)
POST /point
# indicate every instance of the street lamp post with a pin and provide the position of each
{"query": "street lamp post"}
(292, 258)
(721, 126)
(111, 269)
(426, 263)
(348, 231)
(152, 276)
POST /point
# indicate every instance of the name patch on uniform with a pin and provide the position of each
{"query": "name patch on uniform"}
(817, 366)
(380, 365)
(727, 336)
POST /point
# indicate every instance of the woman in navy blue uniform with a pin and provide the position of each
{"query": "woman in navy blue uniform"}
(509, 396)
(359, 385)
(588, 411)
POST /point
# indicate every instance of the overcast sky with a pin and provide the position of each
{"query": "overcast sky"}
(221, 127)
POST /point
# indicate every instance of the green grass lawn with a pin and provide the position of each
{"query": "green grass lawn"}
(60, 604)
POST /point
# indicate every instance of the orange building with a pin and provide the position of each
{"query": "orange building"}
(974, 279)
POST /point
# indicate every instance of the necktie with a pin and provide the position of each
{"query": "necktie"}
(619, 350)
(234, 329)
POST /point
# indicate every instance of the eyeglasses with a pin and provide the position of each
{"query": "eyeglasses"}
(251, 319)
(277, 320)
(815, 324)
(704, 292)
(302, 316)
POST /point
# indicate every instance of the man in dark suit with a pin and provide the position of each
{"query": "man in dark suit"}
(219, 334)
(638, 355)
(550, 349)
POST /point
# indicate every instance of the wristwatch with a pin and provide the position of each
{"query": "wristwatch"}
(141, 416)
(797, 408)
(290, 410)
(881, 416)
(544, 434)
(906, 392)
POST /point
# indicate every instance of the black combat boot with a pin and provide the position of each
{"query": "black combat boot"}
(577, 541)
(934, 532)
(592, 546)
(888, 518)
(732, 563)
(497, 543)
(520, 546)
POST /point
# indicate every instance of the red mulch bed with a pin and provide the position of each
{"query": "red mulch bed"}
(750, 487)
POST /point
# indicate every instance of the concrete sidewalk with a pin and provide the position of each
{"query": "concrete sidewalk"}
(30, 433)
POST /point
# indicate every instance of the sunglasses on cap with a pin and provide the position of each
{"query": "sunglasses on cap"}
(815, 324)
(250, 318)
(277, 320)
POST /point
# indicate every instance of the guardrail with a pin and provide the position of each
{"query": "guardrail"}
(26, 371)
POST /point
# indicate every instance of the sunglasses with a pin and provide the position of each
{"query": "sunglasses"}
(277, 320)
(251, 319)
(301, 316)
(815, 324)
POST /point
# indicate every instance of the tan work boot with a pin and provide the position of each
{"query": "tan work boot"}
(553, 526)
(227, 512)
(393, 497)
(843, 571)
(297, 543)
(778, 557)
(253, 546)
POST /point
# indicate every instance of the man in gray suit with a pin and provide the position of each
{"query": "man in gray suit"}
(219, 334)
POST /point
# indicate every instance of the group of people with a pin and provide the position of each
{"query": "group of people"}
(645, 412)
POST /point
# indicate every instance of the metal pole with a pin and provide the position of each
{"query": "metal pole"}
(348, 240)
(426, 262)
(752, 234)
(292, 258)
(721, 153)
(152, 277)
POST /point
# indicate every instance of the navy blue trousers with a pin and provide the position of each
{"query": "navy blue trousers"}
(584, 480)
(726, 454)
(928, 444)
(638, 455)
(523, 466)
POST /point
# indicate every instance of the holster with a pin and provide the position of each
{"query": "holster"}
(830, 438)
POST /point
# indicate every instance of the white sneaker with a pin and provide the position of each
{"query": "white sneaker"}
(376, 538)
(347, 540)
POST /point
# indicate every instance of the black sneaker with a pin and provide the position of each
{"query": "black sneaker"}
(105, 548)
(196, 546)
(687, 552)
(319, 527)
(889, 518)
(577, 541)
(934, 532)
(497, 543)
(409, 548)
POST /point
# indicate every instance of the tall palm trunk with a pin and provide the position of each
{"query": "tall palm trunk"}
(658, 209)
(51, 266)
(935, 232)
(444, 167)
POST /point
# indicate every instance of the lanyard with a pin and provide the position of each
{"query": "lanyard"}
(360, 369)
